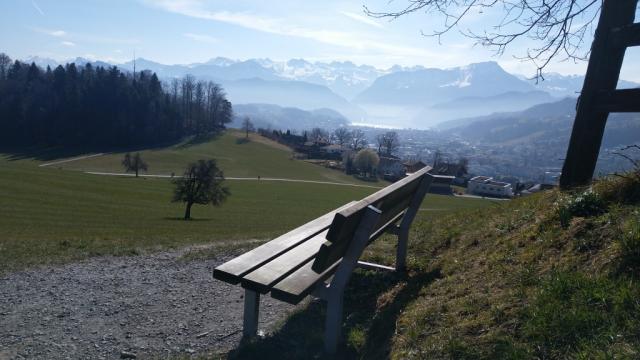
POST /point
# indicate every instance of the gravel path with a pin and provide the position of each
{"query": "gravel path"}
(149, 305)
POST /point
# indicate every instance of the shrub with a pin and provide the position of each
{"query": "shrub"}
(622, 189)
(585, 204)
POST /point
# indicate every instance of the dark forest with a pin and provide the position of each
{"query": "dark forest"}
(97, 107)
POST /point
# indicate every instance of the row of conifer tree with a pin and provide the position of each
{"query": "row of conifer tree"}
(91, 106)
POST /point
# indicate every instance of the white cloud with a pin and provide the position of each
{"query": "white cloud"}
(86, 37)
(362, 18)
(68, 43)
(201, 38)
(284, 27)
(50, 32)
(35, 5)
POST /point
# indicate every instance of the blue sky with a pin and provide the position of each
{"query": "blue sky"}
(188, 31)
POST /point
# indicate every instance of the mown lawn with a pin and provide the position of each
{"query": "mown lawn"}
(257, 157)
(48, 214)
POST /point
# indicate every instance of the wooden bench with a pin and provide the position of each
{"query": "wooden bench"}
(319, 257)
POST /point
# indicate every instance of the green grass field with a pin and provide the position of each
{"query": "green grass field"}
(49, 214)
(258, 157)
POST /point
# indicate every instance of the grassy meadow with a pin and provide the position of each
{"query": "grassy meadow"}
(52, 214)
(257, 157)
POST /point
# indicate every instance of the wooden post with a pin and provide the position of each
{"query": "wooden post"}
(407, 219)
(251, 313)
(335, 291)
(602, 75)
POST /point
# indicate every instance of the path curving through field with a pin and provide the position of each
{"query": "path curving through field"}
(240, 179)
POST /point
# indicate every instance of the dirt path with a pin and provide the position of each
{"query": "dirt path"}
(240, 178)
(70, 160)
(149, 305)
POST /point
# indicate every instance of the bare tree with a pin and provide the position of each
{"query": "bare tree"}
(388, 143)
(200, 184)
(342, 136)
(557, 27)
(358, 140)
(134, 163)
(247, 126)
(634, 161)
(318, 135)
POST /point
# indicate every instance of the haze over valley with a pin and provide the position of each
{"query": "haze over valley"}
(396, 97)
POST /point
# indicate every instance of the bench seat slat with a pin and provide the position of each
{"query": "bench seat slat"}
(302, 282)
(233, 270)
(264, 277)
(345, 222)
(331, 252)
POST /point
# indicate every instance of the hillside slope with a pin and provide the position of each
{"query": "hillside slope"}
(550, 276)
(258, 157)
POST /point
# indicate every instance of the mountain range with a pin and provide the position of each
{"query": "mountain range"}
(277, 117)
(415, 97)
(548, 125)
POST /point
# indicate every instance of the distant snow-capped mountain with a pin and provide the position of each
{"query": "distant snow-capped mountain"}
(287, 118)
(424, 87)
(568, 85)
(415, 97)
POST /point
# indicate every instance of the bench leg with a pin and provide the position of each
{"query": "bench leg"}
(251, 311)
(333, 325)
(401, 252)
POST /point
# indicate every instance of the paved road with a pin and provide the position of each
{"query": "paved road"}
(240, 178)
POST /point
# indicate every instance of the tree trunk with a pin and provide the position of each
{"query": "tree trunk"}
(187, 212)
(136, 172)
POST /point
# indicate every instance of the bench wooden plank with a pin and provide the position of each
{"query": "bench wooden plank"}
(346, 221)
(331, 252)
(264, 277)
(300, 283)
(303, 281)
(233, 270)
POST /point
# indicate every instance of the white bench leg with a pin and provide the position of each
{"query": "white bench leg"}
(333, 325)
(251, 312)
(401, 252)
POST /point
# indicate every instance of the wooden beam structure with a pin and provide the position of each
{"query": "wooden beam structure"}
(615, 32)
(626, 36)
(625, 100)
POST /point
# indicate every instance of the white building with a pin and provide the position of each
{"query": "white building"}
(486, 186)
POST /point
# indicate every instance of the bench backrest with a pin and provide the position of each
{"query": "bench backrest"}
(392, 201)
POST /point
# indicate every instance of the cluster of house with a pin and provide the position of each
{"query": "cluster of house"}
(487, 186)
(393, 168)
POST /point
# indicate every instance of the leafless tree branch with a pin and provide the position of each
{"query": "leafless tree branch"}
(556, 27)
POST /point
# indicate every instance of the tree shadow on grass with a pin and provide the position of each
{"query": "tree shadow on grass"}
(199, 139)
(41, 153)
(369, 324)
(51, 153)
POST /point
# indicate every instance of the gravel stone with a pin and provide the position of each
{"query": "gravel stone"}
(151, 305)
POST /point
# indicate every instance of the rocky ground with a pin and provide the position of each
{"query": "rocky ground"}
(150, 306)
